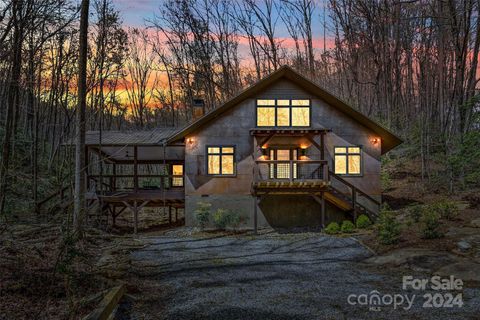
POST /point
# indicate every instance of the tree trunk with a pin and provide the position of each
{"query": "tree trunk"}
(80, 179)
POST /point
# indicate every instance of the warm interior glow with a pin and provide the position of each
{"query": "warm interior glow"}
(265, 117)
(283, 113)
(220, 160)
(177, 170)
(348, 160)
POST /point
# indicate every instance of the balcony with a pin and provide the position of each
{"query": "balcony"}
(290, 176)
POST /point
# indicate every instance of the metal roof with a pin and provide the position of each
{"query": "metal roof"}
(123, 138)
(389, 139)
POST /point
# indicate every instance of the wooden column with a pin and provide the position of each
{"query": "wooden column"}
(86, 168)
(255, 205)
(170, 214)
(354, 204)
(322, 204)
(135, 168)
(114, 179)
(176, 214)
(135, 217)
(322, 146)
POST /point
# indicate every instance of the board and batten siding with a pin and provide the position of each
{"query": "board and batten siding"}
(232, 128)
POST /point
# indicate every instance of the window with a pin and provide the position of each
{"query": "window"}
(283, 113)
(177, 172)
(221, 160)
(348, 160)
(281, 170)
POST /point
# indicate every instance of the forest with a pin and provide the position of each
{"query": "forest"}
(411, 65)
(69, 66)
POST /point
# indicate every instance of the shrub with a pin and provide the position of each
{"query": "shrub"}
(202, 214)
(332, 228)
(447, 209)
(431, 227)
(221, 218)
(363, 222)
(388, 227)
(415, 212)
(347, 226)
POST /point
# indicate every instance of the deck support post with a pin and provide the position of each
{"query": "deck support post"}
(255, 209)
(169, 214)
(176, 214)
(322, 204)
(135, 217)
(354, 204)
(135, 168)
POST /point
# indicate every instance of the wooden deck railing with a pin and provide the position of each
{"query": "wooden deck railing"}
(290, 170)
(133, 181)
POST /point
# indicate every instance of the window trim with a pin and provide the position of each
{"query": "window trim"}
(234, 174)
(276, 106)
(346, 164)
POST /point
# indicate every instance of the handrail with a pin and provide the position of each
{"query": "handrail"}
(307, 161)
(353, 187)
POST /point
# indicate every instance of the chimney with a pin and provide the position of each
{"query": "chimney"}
(198, 108)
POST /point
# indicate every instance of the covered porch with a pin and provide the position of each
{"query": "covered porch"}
(130, 172)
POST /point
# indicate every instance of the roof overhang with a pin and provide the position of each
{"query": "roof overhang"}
(389, 139)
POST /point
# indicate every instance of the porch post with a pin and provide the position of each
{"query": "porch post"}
(354, 204)
(322, 145)
(170, 214)
(135, 168)
(322, 204)
(255, 204)
(135, 217)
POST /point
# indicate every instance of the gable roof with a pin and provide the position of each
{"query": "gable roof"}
(389, 139)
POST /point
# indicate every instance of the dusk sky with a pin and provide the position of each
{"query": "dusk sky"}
(134, 13)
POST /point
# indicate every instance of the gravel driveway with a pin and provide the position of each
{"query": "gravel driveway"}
(272, 276)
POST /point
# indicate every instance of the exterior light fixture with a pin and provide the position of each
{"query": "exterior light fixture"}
(264, 152)
(375, 140)
(303, 152)
(190, 140)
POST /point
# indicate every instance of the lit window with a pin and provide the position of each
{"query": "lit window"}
(348, 160)
(283, 113)
(221, 160)
(177, 173)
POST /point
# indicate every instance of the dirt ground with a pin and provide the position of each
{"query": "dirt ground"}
(270, 276)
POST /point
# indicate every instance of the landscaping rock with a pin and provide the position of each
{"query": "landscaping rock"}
(475, 223)
(464, 246)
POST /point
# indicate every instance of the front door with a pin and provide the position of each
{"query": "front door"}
(282, 169)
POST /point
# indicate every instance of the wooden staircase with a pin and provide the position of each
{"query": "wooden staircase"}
(349, 202)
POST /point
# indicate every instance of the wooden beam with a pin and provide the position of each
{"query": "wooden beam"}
(135, 168)
(255, 205)
(264, 141)
(108, 304)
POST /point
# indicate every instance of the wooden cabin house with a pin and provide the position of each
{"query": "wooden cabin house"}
(282, 153)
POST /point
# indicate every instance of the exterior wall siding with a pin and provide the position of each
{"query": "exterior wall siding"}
(233, 128)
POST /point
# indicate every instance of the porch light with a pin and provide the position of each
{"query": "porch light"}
(375, 140)
(303, 151)
(190, 141)
(264, 152)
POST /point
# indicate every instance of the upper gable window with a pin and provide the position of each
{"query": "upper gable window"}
(283, 113)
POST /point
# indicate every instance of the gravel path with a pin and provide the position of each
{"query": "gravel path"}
(302, 276)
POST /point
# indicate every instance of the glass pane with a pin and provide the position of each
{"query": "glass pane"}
(340, 150)
(213, 150)
(353, 150)
(266, 117)
(300, 102)
(340, 164)
(354, 164)
(213, 164)
(177, 170)
(283, 102)
(227, 164)
(283, 117)
(283, 154)
(266, 102)
(227, 150)
(301, 117)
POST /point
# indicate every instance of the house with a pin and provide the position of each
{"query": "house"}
(283, 153)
